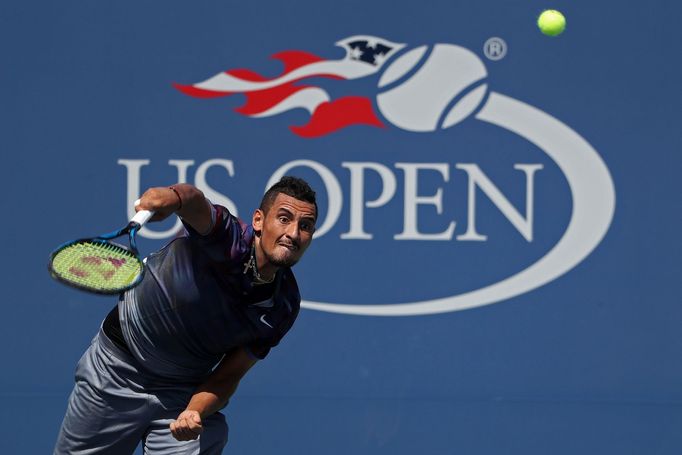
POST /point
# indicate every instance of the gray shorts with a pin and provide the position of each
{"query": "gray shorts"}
(115, 405)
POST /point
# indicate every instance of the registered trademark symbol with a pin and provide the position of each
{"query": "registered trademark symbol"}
(495, 48)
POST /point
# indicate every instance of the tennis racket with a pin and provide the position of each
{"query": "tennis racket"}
(98, 265)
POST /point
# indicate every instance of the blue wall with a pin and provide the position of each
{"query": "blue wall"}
(583, 358)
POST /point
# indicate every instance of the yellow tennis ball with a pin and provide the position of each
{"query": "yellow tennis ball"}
(551, 22)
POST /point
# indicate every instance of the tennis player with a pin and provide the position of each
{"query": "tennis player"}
(212, 303)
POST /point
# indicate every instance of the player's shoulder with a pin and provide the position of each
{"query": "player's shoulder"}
(242, 228)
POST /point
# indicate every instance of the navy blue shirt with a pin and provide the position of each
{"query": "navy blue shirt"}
(196, 302)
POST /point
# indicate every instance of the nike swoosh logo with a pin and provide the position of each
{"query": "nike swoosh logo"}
(262, 319)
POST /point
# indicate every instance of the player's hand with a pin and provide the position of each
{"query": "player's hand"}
(187, 426)
(162, 200)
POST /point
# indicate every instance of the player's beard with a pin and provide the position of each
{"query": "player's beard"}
(287, 259)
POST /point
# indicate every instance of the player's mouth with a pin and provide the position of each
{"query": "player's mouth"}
(288, 246)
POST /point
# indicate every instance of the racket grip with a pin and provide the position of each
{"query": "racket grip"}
(142, 217)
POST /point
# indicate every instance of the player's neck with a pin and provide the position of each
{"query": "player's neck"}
(264, 269)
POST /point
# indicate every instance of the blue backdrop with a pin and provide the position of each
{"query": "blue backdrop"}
(427, 222)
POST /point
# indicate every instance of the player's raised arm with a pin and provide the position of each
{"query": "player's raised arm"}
(182, 198)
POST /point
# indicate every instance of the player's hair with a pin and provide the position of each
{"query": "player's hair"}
(291, 186)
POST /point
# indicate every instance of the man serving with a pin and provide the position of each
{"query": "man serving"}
(211, 303)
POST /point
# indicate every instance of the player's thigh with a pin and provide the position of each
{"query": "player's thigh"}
(160, 441)
(100, 419)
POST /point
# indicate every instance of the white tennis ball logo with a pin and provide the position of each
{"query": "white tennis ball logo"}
(442, 92)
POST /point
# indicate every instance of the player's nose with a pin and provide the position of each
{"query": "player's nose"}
(293, 231)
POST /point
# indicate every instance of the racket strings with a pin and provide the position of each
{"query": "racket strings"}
(97, 265)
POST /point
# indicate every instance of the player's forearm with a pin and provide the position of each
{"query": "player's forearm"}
(193, 207)
(183, 199)
(211, 397)
(215, 392)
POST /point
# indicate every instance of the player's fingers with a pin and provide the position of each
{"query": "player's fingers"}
(159, 216)
(151, 199)
(194, 424)
(189, 429)
(179, 430)
(175, 430)
(187, 426)
(179, 426)
(138, 205)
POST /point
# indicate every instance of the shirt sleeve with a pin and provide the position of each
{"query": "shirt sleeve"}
(258, 350)
(223, 241)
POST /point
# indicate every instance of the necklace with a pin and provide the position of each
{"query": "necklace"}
(251, 264)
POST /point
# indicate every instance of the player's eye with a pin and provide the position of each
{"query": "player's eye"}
(307, 227)
(283, 219)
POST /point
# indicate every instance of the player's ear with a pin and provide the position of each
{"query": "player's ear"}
(257, 221)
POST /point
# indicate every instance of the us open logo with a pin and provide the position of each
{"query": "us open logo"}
(421, 90)
(425, 90)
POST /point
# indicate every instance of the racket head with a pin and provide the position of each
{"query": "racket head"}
(96, 265)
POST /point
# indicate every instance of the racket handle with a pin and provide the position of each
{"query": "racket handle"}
(142, 217)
